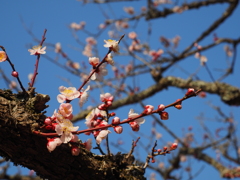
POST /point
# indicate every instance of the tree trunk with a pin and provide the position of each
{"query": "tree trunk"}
(20, 114)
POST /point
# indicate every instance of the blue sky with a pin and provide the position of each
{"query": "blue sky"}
(56, 16)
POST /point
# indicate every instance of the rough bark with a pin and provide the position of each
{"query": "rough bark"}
(20, 114)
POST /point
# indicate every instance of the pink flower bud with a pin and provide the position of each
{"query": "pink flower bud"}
(48, 127)
(164, 148)
(15, 74)
(116, 121)
(48, 121)
(178, 105)
(161, 107)
(54, 126)
(118, 129)
(164, 115)
(190, 91)
(174, 146)
(134, 125)
(75, 151)
(159, 151)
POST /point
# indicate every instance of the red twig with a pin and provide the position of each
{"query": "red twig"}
(37, 60)
(12, 65)
(123, 122)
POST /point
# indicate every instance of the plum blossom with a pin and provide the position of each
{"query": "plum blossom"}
(129, 10)
(58, 48)
(65, 109)
(148, 109)
(36, 50)
(113, 44)
(94, 61)
(83, 96)
(102, 135)
(137, 122)
(69, 93)
(53, 143)
(3, 56)
(64, 129)
(106, 97)
(92, 117)
(132, 35)
(109, 59)
(100, 72)
(88, 144)
(91, 41)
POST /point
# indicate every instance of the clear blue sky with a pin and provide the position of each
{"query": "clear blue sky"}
(56, 16)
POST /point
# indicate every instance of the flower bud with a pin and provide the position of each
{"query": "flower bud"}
(164, 148)
(190, 92)
(164, 115)
(159, 151)
(48, 127)
(161, 107)
(174, 146)
(134, 125)
(118, 129)
(15, 74)
(48, 121)
(116, 121)
(75, 151)
(179, 104)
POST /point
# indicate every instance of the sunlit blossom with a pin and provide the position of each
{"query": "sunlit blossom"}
(83, 96)
(53, 143)
(91, 41)
(98, 75)
(3, 56)
(132, 35)
(65, 109)
(106, 97)
(109, 59)
(113, 44)
(64, 129)
(36, 50)
(132, 115)
(102, 135)
(69, 93)
(88, 144)
(94, 61)
(129, 10)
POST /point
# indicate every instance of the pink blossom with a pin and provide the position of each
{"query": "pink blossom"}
(87, 50)
(118, 129)
(91, 41)
(36, 50)
(64, 129)
(203, 60)
(156, 54)
(132, 115)
(74, 138)
(83, 96)
(113, 44)
(228, 50)
(92, 117)
(98, 75)
(148, 109)
(102, 135)
(69, 93)
(94, 61)
(65, 109)
(3, 56)
(13, 84)
(129, 10)
(106, 97)
(53, 143)
(132, 35)
(88, 144)
(116, 121)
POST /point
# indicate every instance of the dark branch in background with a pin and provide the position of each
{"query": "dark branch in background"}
(229, 94)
